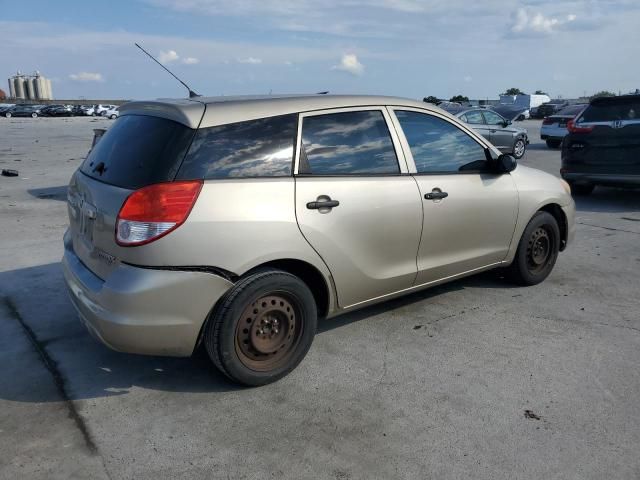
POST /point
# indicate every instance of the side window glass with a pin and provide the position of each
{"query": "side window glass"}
(474, 117)
(348, 143)
(255, 148)
(438, 146)
(493, 118)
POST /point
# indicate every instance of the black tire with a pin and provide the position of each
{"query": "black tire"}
(519, 148)
(581, 189)
(553, 143)
(537, 251)
(243, 327)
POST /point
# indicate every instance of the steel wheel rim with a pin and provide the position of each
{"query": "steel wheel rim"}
(519, 148)
(539, 249)
(268, 332)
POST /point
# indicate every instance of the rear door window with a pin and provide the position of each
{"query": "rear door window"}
(137, 151)
(255, 148)
(347, 143)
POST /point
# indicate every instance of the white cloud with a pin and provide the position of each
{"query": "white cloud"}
(528, 23)
(86, 77)
(250, 60)
(190, 60)
(350, 64)
(168, 56)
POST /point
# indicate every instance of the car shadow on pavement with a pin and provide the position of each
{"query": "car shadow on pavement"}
(35, 299)
(50, 193)
(609, 200)
(490, 279)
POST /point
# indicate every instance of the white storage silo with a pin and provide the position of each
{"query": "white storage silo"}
(12, 90)
(30, 88)
(18, 82)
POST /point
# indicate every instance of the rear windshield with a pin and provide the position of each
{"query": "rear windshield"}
(137, 151)
(610, 111)
(571, 110)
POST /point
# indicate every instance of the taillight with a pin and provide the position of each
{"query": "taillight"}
(573, 128)
(547, 121)
(154, 211)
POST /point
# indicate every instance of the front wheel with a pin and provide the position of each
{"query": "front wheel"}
(537, 251)
(34, 115)
(8, 114)
(262, 328)
(112, 117)
(519, 148)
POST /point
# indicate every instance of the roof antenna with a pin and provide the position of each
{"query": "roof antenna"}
(192, 94)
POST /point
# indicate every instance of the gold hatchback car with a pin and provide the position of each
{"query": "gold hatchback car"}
(237, 221)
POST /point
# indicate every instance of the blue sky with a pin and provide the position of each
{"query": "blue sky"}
(411, 48)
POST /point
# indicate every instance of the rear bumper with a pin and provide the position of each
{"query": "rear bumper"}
(613, 180)
(139, 310)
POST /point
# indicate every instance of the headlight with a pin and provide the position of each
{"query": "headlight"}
(566, 186)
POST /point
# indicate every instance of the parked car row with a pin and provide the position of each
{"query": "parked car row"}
(29, 110)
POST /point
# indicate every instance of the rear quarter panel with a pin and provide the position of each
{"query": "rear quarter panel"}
(235, 225)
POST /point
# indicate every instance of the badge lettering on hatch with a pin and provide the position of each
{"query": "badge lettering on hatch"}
(102, 255)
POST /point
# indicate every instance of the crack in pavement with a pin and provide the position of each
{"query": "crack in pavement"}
(52, 366)
(618, 326)
(608, 228)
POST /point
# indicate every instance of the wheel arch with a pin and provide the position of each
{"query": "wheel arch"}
(321, 288)
(309, 274)
(556, 211)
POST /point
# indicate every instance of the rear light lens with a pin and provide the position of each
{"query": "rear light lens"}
(574, 128)
(152, 212)
(547, 121)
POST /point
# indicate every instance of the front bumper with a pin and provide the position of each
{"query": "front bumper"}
(140, 310)
(570, 214)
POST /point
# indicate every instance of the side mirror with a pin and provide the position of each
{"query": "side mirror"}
(506, 123)
(506, 163)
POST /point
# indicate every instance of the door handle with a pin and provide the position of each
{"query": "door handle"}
(324, 204)
(436, 195)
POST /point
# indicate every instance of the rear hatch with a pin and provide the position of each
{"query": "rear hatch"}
(144, 146)
(605, 138)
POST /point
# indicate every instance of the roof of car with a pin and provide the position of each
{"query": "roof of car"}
(230, 109)
(617, 99)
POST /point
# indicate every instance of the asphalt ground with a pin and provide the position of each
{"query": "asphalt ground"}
(476, 379)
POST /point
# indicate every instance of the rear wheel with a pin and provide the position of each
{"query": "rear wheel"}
(580, 189)
(8, 114)
(519, 148)
(262, 328)
(537, 251)
(34, 115)
(553, 143)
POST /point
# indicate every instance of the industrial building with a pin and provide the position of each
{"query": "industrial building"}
(30, 87)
